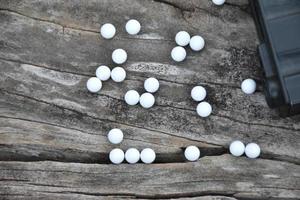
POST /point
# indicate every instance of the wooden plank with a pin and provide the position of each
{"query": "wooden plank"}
(54, 133)
(48, 50)
(67, 91)
(210, 176)
(79, 50)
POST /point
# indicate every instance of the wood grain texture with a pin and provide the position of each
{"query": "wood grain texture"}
(219, 175)
(48, 50)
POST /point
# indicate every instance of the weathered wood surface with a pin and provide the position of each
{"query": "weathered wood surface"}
(221, 175)
(48, 49)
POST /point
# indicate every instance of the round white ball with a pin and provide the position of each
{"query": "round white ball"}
(115, 136)
(133, 27)
(237, 148)
(148, 156)
(119, 56)
(178, 54)
(116, 156)
(198, 93)
(248, 86)
(204, 109)
(94, 84)
(118, 74)
(132, 155)
(182, 38)
(192, 153)
(252, 150)
(132, 97)
(151, 85)
(147, 100)
(197, 43)
(108, 31)
(218, 2)
(103, 73)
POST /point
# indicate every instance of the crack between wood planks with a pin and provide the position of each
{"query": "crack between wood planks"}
(175, 158)
(149, 196)
(91, 31)
(102, 157)
(232, 195)
(209, 195)
(162, 158)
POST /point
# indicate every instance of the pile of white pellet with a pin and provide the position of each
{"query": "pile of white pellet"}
(183, 39)
(146, 100)
(237, 148)
(151, 86)
(132, 155)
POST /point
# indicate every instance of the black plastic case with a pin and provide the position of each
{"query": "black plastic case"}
(278, 25)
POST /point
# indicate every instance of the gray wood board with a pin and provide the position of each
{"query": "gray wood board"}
(48, 50)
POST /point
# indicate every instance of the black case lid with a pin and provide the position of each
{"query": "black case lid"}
(279, 26)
